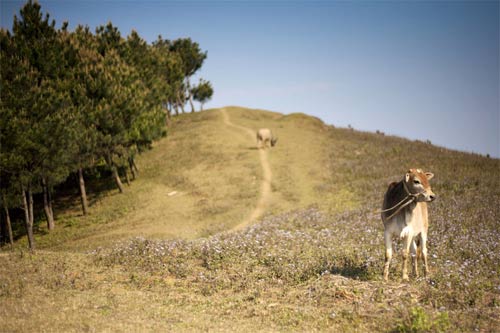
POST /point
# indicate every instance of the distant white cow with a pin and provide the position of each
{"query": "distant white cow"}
(265, 137)
(404, 214)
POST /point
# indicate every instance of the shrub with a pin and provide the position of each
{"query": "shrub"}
(417, 321)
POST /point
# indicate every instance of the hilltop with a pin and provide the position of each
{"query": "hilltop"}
(205, 177)
(218, 235)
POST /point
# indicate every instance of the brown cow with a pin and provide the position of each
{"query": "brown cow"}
(404, 214)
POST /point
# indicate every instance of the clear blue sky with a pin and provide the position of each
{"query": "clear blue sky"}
(421, 70)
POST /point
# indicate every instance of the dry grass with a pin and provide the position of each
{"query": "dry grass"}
(312, 264)
(205, 178)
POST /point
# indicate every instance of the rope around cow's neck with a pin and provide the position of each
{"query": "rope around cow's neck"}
(403, 206)
(410, 195)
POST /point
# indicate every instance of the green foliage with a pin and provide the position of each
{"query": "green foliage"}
(203, 92)
(417, 320)
(147, 61)
(72, 99)
(190, 53)
(183, 58)
(36, 101)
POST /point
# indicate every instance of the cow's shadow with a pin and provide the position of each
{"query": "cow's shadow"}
(358, 272)
(351, 270)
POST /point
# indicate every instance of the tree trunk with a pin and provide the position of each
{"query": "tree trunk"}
(28, 215)
(3, 230)
(191, 102)
(83, 192)
(179, 101)
(49, 193)
(47, 205)
(116, 176)
(168, 113)
(7, 220)
(127, 178)
(201, 107)
(190, 95)
(176, 108)
(131, 165)
(30, 205)
(114, 171)
(135, 166)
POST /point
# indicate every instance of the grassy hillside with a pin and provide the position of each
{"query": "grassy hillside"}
(169, 253)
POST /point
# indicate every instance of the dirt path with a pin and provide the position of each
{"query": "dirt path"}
(265, 188)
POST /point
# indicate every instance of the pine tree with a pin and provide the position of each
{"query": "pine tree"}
(148, 125)
(172, 74)
(17, 77)
(85, 94)
(36, 108)
(120, 101)
(70, 100)
(49, 114)
(192, 59)
(203, 92)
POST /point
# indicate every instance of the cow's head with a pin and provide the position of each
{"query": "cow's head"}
(273, 141)
(417, 183)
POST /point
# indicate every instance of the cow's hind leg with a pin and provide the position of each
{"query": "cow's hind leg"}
(388, 254)
(407, 241)
(423, 246)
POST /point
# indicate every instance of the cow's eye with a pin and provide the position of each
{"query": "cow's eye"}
(416, 181)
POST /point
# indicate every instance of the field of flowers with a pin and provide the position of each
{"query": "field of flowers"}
(332, 261)
(314, 268)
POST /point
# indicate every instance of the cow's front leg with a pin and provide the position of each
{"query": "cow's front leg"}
(406, 253)
(388, 254)
(414, 250)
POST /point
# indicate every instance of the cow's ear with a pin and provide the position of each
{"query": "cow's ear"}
(407, 177)
(429, 175)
